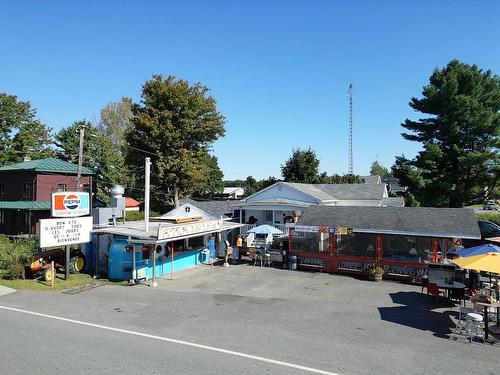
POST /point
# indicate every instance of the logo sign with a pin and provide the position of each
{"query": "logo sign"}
(65, 231)
(70, 204)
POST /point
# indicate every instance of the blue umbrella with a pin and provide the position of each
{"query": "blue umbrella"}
(478, 250)
(265, 229)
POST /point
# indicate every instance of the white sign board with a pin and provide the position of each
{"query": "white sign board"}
(182, 230)
(65, 231)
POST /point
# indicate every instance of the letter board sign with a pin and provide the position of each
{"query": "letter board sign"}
(70, 204)
(65, 231)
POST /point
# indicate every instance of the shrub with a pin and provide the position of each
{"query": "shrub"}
(489, 216)
(15, 256)
(138, 215)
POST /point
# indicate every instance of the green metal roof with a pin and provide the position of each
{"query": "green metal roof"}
(25, 205)
(50, 165)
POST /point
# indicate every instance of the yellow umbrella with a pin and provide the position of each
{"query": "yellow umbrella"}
(489, 262)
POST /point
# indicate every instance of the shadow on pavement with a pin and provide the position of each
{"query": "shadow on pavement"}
(417, 313)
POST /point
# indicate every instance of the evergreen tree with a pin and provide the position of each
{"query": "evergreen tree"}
(460, 161)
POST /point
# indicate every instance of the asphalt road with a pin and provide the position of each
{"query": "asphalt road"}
(240, 320)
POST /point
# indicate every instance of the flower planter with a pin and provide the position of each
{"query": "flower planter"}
(377, 278)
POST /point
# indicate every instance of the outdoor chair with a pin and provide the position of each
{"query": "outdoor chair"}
(425, 281)
(252, 254)
(458, 294)
(433, 290)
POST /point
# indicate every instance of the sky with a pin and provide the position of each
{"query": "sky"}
(279, 70)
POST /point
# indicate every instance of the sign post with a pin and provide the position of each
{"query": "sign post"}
(66, 267)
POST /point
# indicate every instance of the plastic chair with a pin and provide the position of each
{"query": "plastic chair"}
(433, 290)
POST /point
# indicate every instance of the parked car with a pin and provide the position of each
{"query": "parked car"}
(490, 205)
(488, 230)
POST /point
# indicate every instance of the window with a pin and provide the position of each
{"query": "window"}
(27, 190)
(2, 217)
(27, 218)
(61, 187)
(2, 190)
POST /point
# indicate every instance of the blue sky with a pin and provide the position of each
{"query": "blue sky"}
(278, 69)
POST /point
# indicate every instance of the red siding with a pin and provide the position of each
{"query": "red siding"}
(48, 184)
(14, 182)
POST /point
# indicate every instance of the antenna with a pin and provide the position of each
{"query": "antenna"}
(351, 171)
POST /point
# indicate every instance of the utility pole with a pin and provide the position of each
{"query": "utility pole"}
(80, 157)
(351, 167)
(147, 167)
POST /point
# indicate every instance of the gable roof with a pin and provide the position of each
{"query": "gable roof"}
(215, 208)
(373, 179)
(417, 221)
(48, 165)
(187, 211)
(131, 202)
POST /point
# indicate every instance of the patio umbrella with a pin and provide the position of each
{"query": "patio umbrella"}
(478, 250)
(265, 229)
(489, 262)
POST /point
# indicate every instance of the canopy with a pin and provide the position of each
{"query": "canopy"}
(265, 229)
(478, 250)
(489, 262)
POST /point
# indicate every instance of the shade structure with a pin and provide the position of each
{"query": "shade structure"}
(478, 250)
(489, 262)
(265, 229)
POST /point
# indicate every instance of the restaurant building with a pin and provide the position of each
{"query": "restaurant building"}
(184, 237)
(401, 240)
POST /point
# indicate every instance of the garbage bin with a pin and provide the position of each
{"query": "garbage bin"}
(292, 263)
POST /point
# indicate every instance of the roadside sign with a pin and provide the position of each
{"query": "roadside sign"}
(70, 204)
(65, 231)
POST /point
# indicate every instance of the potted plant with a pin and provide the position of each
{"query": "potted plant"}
(375, 273)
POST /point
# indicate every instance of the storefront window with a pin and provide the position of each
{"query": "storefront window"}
(357, 244)
(310, 242)
(407, 248)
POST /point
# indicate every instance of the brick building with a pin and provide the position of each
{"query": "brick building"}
(26, 188)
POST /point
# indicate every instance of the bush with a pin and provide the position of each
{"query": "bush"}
(138, 215)
(15, 256)
(489, 216)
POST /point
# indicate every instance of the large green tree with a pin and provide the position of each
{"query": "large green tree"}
(460, 159)
(100, 153)
(176, 124)
(302, 166)
(213, 183)
(21, 133)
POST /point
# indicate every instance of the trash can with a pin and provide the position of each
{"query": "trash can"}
(292, 263)
(283, 259)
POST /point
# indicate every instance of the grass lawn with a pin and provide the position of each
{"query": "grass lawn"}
(60, 283)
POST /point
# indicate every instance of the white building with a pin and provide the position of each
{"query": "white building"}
(284, 201)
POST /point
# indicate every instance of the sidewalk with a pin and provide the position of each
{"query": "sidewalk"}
(4, 290)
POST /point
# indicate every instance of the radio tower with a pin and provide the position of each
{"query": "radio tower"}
(351, 171)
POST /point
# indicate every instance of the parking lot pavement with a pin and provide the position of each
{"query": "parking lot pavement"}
(320, 321)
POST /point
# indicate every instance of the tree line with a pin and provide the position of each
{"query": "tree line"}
(176, 123)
